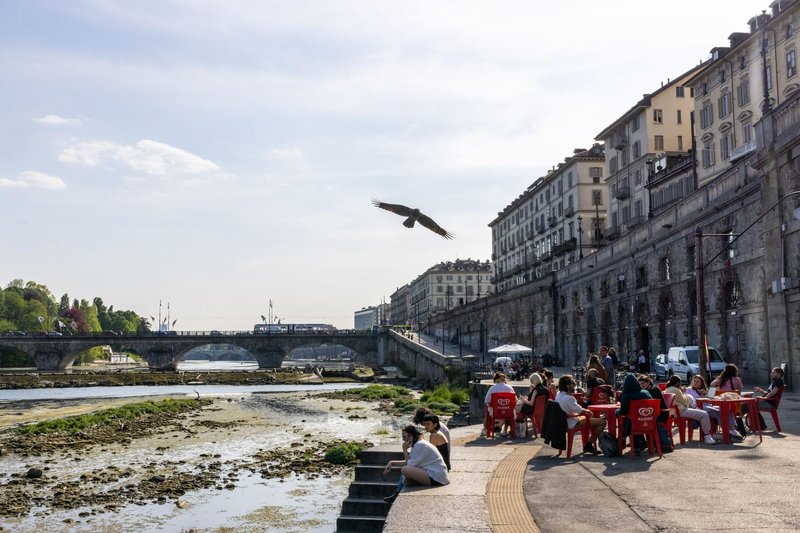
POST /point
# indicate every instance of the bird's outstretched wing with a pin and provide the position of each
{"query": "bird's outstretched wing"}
(434, 227)
(394, 208)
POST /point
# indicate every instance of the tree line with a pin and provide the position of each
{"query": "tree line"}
(30, 307)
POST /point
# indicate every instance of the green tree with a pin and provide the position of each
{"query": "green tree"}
(64, 304)
(90, 316)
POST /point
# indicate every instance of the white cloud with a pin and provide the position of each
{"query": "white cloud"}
(151, 157)
(37, 180)
(57, 120)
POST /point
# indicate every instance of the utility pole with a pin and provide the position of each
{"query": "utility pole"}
(701, 304)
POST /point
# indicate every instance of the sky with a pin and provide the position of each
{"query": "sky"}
(217, 156)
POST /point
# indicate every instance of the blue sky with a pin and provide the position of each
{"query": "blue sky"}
(218, 155)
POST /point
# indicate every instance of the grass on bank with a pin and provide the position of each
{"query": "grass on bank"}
(131, 411)
(442, 400)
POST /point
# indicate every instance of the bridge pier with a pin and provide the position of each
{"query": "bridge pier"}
(51, 359)
(268, 358)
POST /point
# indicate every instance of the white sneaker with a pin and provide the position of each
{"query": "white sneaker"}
(735, 434)
(709, 440)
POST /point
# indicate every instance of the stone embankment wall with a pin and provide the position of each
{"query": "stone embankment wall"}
(420, 361)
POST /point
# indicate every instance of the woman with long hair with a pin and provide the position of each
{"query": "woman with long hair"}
(594, 362)
(697, 389)
(423, 463)
(729, 379)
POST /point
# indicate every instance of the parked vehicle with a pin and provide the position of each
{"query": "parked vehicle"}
(660, 366)
(683, 361)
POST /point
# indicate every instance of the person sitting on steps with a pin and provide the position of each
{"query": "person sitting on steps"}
(423, 464)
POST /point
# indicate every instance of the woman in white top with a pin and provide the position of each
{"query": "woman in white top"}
(423, 463)
(687, 407)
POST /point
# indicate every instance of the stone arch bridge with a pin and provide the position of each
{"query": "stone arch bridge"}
(163, 352)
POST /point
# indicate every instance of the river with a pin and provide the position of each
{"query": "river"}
(272, 416)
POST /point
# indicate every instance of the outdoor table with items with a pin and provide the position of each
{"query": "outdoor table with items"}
(609, 412)
(726, 405)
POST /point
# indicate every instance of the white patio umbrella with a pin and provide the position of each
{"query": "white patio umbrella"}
(507, 349)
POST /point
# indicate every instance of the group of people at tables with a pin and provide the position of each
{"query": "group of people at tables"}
(688, 400)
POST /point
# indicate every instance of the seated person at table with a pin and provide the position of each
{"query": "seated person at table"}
(728, 380)
(685, 405)
(655, 393)
(697, 389)
(500, 385)
(568, 403)
(547, 379)
(537, 389)
(775, 389)
(592, 381)
(631, 390)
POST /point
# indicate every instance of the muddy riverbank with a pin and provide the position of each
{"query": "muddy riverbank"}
(104, 378)
(175, 473)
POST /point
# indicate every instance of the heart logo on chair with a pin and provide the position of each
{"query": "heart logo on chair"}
(646, 412)
(503, 402)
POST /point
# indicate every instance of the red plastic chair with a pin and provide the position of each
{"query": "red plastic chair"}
(668, 399)
(535, 418)
(601, 394)
(502, 408)
(585, 431)
(685, 425)
(765, 407)
(643, 415)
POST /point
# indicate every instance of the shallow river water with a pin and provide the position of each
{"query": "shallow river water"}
(293, 504)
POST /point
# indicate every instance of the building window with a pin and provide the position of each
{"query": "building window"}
(791, 63)
(664, 272)
(658, 116)
(789, 30)
(708, 154)
(621, 287)
(724, 105)
(604, 288)
(704, 89)
(569, 180)
(723, 75)
(707, 115)
(743, 62)
(635, 123)
(680, 143)
(679, 117)
(637, 149)
(612, 165)
(747, 132)
(743, 93)
(596, 173)
(637, 177)
(659, 142)
(725, 146)
(597, 197)
(641, 277)
(690, 259)
(679, 92)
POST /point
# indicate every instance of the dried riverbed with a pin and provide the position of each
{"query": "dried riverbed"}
(249, 462)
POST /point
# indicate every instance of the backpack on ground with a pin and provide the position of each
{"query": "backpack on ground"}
(608, 444)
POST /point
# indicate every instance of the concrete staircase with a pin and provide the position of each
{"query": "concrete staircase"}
(364, 508)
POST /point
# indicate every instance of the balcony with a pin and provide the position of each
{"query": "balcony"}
(743, 150)
(569, 212)
(540, 228)
(620, 142)
(622, 191)
(552, 221)
(636, 221)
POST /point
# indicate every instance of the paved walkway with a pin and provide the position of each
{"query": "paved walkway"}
(505, 485)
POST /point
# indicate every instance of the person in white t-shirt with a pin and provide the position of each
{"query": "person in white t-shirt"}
(577, 416)
(423, 463)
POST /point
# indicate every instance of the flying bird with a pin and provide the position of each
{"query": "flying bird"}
(414, 215)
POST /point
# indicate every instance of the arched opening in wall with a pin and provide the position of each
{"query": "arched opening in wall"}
(643, 328)
(666, 313)
(329, 355)
(217, 356)
(606, 325)
(622, 330)
(13, 358)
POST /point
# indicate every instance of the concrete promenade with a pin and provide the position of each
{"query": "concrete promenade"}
(505, 485)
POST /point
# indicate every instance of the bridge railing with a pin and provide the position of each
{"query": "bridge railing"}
(211, 333)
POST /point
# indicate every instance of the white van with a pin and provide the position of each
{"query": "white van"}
(683, 361)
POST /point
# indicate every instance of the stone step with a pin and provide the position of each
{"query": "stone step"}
(371, 489)
(348, 523)
(365, 507)
(375, 473)
(380, 455)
